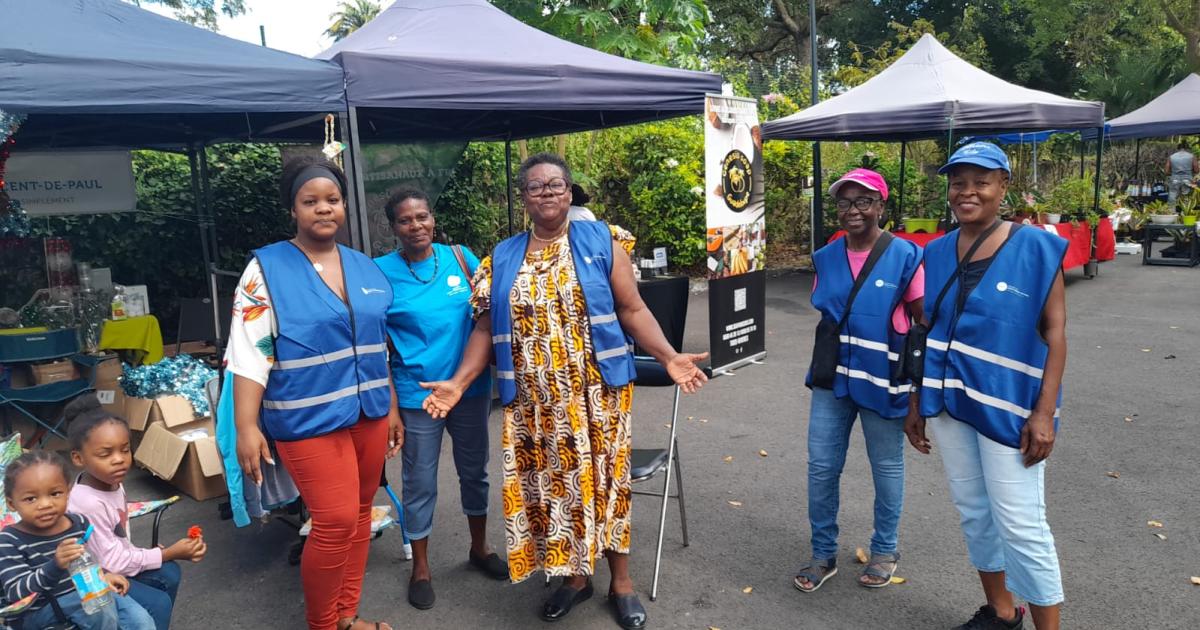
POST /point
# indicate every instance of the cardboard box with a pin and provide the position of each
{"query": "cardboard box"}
(191, 464)
(107, 376)
(107, 370)
(170, 410)
(46, 373)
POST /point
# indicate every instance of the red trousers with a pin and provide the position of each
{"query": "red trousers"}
(337, 475)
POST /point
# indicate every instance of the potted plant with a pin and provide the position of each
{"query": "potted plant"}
(921, 220)
(1075, 196)
(1189, 209)
(1160, 213)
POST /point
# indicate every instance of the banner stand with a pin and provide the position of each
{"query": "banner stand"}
(736, 233)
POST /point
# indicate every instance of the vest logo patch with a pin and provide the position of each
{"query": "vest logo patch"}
(880, 283)
(1005, 287)
(453, 281)
(367, 291)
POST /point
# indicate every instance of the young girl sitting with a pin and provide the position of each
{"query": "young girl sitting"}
(36, 552)
(100, 446)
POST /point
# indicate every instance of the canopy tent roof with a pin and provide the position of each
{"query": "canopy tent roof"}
(463, 69)
(1174, 112)
(107, 73)
(926, 93)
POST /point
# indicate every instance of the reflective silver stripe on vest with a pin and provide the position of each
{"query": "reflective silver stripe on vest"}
(596, 320)
(996, 359)
(501, 338)
(507, 375)
(984, 399)
(882, 383)
(293, 364)
(344, 392)
(612, 352)
(869, 345)
(937, 345)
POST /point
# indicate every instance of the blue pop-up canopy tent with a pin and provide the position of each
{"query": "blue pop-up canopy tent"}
(1174, 112)
(465, 70)
(107, 73)
(433, 70)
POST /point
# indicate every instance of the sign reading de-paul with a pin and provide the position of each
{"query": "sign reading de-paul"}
(736, 176)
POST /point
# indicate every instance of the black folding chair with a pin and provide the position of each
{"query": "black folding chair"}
(667, 300)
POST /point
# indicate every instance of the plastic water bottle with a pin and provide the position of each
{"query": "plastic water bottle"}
(85, 573)
(118, 303)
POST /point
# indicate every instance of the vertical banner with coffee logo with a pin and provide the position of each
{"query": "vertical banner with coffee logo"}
(737, 233)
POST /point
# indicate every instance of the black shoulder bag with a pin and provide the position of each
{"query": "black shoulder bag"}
(825, 345)
(912, 361)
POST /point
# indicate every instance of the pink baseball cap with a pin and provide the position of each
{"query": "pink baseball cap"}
(863, 177)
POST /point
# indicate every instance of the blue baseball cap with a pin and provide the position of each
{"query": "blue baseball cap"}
(981, 154)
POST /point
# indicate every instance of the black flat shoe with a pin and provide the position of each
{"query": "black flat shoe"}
(420, 594)
(563, 600)
(631, 615)
(492, 566)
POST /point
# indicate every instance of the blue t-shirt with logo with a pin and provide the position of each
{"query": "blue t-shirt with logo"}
(429, 323)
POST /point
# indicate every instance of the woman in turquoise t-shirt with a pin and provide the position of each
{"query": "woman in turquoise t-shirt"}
(429, 323)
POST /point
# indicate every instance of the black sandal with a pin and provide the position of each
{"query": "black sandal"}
(631, 615)
(492, 566)
(420, 594)
(563, 600)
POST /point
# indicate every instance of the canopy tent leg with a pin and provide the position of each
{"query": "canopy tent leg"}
(360, 233)
(818, 203)
(199, 198)
(1093, 265)
(949, 151)
(1137, 160)
(900, 204)
(508, 184)
(1035, 164)
(1082, 154)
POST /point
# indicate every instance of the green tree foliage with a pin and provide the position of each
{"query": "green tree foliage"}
(351, 16)
(201, 12)
(472, 209)
(654, 31)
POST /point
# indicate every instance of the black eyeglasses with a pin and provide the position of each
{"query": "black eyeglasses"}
(557, 186)
(861, 203)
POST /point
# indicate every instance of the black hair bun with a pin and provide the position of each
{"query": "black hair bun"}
(80, 406)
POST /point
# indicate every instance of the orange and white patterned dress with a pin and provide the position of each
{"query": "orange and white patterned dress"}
(566, 436)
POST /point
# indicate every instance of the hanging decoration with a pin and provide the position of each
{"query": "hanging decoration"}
(13, 220)
(332, 149)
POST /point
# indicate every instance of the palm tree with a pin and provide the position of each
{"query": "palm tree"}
(351, 16)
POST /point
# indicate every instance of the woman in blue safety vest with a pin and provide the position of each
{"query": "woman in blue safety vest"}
(992, 386)
(868, 287)
(308, 348)
(558, 304)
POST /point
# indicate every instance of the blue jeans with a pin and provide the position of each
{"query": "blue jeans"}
(123, 614)
(467, 425)
(829, 424)
(155, 591)
(1002, 505)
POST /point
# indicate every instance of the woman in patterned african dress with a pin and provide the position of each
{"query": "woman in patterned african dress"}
(559, 320)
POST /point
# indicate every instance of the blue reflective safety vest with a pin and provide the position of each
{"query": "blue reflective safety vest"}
(591, 246)
(330, 361)
(870, 347)
(984, 365)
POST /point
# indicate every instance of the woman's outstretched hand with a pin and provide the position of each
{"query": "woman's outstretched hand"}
(682, 369)
(443, 395)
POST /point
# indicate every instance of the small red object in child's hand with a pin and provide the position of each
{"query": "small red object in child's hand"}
(195, 532)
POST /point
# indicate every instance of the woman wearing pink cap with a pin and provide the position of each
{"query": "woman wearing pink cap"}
(871, 287)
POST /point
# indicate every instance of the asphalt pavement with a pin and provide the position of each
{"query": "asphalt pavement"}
(1126, 455)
